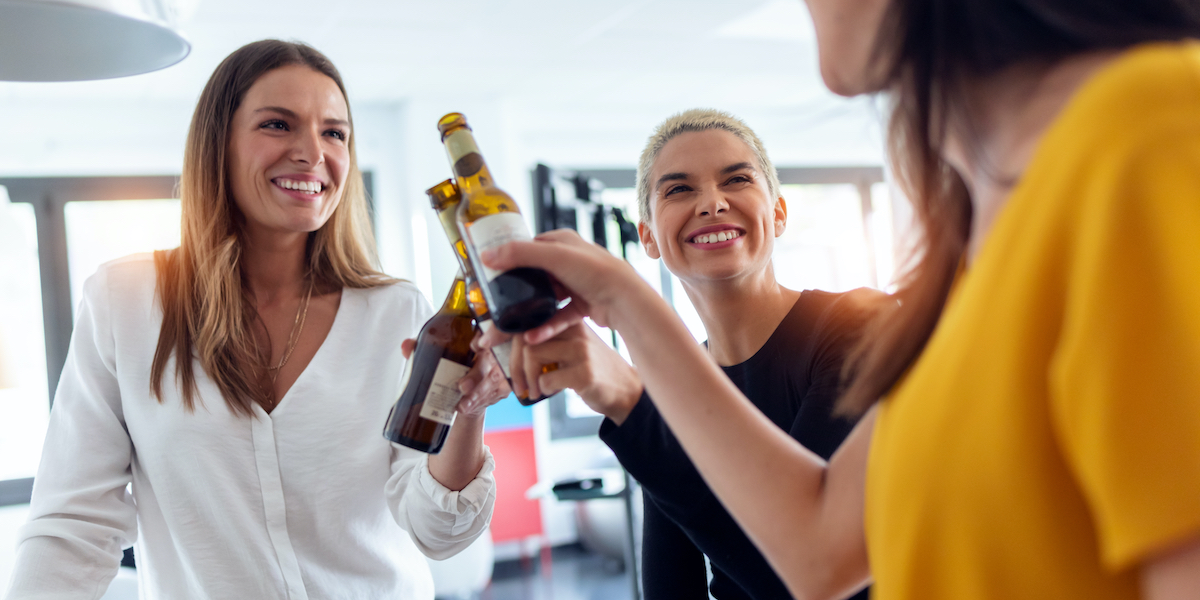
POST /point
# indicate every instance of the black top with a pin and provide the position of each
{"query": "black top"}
(793, 379)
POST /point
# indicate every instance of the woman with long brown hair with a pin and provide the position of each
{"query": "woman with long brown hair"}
(240, 382)
(1040, 436)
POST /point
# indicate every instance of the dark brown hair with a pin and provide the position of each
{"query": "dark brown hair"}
(935, 47)
(206, 309)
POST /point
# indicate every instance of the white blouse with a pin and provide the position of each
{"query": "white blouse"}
(309, 501)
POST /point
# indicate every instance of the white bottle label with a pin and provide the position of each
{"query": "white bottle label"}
(493, 231)
(502, 352)
(443, 395)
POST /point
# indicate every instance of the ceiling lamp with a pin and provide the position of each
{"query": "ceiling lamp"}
(73, 40)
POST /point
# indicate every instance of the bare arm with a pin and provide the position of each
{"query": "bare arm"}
(804, 515)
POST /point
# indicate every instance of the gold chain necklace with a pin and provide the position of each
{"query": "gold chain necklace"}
(294, 336)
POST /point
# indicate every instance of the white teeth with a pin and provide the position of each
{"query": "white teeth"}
(712, 238)
(311, 187)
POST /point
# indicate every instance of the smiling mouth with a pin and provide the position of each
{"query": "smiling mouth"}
(712, 238)
(304, 187)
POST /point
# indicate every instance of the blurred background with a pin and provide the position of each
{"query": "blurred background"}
(88, 170)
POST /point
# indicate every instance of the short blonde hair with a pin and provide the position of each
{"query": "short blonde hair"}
(698, 119)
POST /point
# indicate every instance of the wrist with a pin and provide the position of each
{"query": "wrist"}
(470, 420)
(632, 300)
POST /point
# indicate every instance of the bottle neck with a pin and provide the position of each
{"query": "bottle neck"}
(476, 300)
(449, 219)
(470, 171)
(456, 301)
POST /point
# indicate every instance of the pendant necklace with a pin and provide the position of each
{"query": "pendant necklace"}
(294, 336)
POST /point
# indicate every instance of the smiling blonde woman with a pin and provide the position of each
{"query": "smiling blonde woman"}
(710, 208)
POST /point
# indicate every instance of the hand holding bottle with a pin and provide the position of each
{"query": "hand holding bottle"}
(600, 285)
(482, 386)
(607, 384)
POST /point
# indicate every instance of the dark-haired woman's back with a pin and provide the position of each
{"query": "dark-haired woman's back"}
(1048, 439)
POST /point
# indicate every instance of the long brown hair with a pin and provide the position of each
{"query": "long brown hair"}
(207, 313)
(936, 47)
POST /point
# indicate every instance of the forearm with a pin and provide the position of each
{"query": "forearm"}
(462, 455)
(773, 486)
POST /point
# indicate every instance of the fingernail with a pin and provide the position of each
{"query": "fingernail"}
(465, 387)
(487, 255)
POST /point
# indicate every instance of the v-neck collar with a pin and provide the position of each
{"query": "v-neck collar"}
(335, 331)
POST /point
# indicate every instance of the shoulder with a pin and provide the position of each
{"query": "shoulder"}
(128, 280)
(399, 301)
(843, 312)
(397, 294)
(1147, 93)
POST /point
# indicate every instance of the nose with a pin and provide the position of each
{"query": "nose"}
(306, 147)
(711, 203)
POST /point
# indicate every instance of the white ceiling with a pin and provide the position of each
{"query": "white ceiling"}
(605, 71)
(627, 51)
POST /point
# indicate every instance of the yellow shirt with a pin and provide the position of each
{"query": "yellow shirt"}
(1048, 439)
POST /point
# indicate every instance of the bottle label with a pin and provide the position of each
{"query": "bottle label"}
(502, 352)
(443, 395)
(493, 231)
(463, 152)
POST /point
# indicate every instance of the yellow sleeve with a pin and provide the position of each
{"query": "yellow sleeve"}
(1126, 375)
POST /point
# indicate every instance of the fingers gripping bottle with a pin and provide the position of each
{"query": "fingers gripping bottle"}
(522, 298)
(422, 416)
(444, 198)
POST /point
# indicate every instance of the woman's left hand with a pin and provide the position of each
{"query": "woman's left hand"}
(482, 386)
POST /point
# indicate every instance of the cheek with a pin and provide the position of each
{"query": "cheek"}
(339, 165)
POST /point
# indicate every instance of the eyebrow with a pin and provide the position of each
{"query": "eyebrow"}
(683, 176)
(670, 177)
(738, 167)
(292, 115)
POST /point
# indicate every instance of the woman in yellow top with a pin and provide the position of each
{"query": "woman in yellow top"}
(1041, 435)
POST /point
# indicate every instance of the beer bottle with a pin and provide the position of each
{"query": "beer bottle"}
(521, 298)
(444, 198)
(425, 411)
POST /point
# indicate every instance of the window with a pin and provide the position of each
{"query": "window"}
(100, 231)
(54, 232)
(24, 400)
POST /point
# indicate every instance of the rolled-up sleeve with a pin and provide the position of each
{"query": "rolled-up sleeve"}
(441, 522)
(81, 514)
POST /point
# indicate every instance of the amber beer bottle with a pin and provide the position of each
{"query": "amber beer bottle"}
(521, 298)
(444, 198)
(425, 411)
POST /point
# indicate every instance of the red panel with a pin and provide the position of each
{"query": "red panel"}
(516, 471)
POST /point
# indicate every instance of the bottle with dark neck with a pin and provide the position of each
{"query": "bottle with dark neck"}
(521, 298)
(422, 416)
(444, 198)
